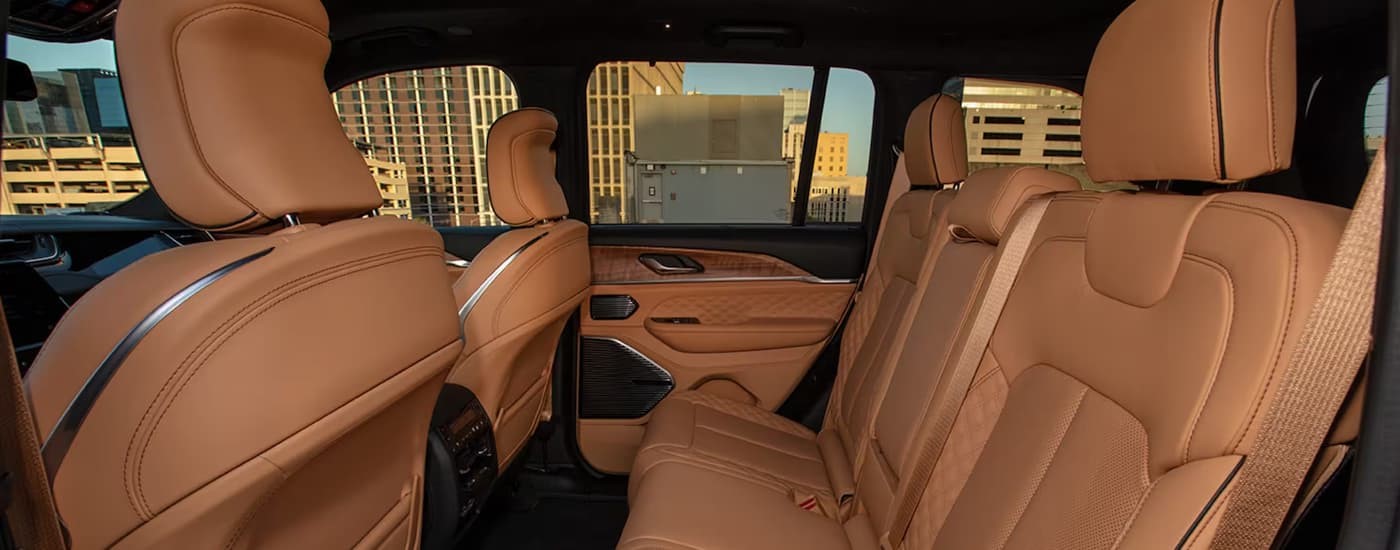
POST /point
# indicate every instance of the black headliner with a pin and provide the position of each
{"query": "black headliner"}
(1049, 40)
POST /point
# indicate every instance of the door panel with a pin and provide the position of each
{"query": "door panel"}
(746, 326)
(826, 251)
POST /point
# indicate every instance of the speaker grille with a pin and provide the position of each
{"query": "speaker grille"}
(611, 307)
(617, 381)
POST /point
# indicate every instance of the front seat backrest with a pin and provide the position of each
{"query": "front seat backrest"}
(520, 290)
(269, 391)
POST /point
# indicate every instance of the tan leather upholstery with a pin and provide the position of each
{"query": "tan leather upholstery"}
(767, 376)
(520, 168)
(201, 118)
(935, 142)
(879, 405)
(286, 404)
(716, 433)
(991, 197)
(1212, 99)
(526, 282)
(1121, 386)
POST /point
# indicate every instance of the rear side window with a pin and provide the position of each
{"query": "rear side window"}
(423, 134)
(1373, 127)
(1023, 124)
(674, 142)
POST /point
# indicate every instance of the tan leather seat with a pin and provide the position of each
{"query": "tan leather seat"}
(1117, 396)
(856, 462)
(519, 291)
(271, 391)
(719, 433)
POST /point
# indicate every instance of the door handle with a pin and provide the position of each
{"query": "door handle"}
(670, 264)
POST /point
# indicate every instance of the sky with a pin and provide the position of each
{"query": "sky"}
(45, 56)
(850, 97)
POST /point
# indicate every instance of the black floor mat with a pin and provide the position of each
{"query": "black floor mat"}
(547, 522)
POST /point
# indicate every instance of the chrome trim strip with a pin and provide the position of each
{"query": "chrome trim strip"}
(60, 439)
(812, 279)
(476, 294)
(669, 377)
(459, 263)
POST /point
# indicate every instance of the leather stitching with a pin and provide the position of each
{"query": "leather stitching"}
(1213, 87)
(1219, 359)
(247, 518)
(544, 256)
(203, 350)
(1040, 478)
(514, 185)
(1293, 252)
(1269, 90)
(184, 102)
(1128, 526)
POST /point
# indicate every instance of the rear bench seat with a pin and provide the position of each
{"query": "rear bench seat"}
(721, 435)
(1121, 388)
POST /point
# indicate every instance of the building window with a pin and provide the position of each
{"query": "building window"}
(1040, 130)
(451, 188)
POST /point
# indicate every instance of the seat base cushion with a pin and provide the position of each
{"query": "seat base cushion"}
(736, 439)
(690, 507)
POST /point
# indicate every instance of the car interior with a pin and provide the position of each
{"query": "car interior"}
(711, 275)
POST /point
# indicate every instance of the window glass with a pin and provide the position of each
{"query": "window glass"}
(423, 134)
(1020, 124)
(843, 149)
(70, 149)
(1373, 127)
(718, 142)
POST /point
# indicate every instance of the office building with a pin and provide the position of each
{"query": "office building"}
(64, 173)
(1032, 124)
(795, 104)
(434, 122)
(832, 154)
(708, 158)
(102, 102)
(58, 109)
(836, 199)
(611, 128)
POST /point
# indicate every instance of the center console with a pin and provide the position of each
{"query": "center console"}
(461, 466)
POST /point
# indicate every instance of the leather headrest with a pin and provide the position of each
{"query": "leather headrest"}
(1192, 90)
(230, 109)
(988, 200)
(935, 142)
(520, 168)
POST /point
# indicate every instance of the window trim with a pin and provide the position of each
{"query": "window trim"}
(802, 195)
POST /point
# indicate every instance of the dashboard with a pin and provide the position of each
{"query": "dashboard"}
(48, 262)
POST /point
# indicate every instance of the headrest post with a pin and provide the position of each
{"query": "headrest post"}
(291, 220)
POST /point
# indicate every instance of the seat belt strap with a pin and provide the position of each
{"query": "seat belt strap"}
(1315, 382)
(31, 515)
(1013, 254)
